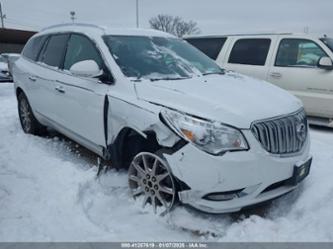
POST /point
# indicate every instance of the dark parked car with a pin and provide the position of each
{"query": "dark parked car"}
(6, 62)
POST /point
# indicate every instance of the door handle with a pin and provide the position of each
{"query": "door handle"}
(32, 78)
(276, 75)
(60, 89)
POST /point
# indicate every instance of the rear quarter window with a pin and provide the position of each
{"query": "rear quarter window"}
(32, 48)
(209, 46)
(250, 52)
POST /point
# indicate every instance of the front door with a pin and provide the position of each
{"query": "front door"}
(46, 72)
(295, 69)
(81, 99)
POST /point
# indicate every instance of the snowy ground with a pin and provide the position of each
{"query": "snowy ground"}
(49, 192)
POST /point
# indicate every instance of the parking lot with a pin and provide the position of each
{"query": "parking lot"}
(49, 192)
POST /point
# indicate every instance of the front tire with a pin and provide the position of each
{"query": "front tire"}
(28, 121)
(149, 176)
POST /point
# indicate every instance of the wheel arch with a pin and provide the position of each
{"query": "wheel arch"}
(148, 139)
(128, 143)
(19, 91)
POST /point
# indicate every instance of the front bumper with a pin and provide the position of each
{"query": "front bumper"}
(254, 176)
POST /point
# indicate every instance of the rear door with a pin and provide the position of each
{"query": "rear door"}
(26, 71)
(249, 56)
(80, 100)
(49, 61)
(295, 69)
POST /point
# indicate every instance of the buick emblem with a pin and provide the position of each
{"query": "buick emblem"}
(301, 131)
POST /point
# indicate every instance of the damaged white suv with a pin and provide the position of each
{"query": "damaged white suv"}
(187, 131)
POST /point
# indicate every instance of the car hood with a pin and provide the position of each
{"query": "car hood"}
(232, 98)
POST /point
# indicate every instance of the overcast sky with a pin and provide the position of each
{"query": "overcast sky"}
(212, 16)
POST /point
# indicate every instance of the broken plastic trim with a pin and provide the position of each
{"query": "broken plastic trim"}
(106, 152)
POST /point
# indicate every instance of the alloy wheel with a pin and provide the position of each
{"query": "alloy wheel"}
(25, 115)
(150, 177)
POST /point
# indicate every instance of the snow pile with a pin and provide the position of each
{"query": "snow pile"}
(49, 192)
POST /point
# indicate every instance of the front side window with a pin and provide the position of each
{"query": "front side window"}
(159, 57)
(80, 48)
(209, 46)
(32, 48)
(250, 52)
(298, 53)
(53, 52)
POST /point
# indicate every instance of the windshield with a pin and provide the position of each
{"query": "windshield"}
(328, 42)
(159, 57)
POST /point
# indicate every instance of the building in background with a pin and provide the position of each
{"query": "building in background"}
(13, 40)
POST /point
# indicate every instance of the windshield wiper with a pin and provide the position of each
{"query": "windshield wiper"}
(221, 73)
(169, 78)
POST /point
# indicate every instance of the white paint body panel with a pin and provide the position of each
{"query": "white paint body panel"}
(233, 99)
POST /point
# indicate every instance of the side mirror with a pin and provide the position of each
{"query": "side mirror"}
(325, 63)
(87, 68)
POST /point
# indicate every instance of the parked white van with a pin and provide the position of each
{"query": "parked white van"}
(299, 63)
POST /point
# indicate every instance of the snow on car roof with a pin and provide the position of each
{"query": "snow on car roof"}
(100, 30)
(136, 32)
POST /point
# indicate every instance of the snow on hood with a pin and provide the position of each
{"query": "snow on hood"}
(232, 98)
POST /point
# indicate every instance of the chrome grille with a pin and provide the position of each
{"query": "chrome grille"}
(282, 135)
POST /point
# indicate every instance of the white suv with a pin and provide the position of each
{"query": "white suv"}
(299, 63)
(147, 101)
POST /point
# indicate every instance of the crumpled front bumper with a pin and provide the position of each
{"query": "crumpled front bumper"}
(257, 175)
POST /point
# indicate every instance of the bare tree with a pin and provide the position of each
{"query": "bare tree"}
(174, 25)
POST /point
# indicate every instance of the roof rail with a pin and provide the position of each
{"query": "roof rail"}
(74, 24)
(240, 34)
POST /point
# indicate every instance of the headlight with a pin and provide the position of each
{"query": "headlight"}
(212, 137)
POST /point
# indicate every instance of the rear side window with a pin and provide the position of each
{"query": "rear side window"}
(53, 52)
(32, 48)
(250, 52)
(209, 46)
(81, 48)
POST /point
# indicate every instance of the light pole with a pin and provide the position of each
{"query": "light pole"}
(137, 13)
(2, 16)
